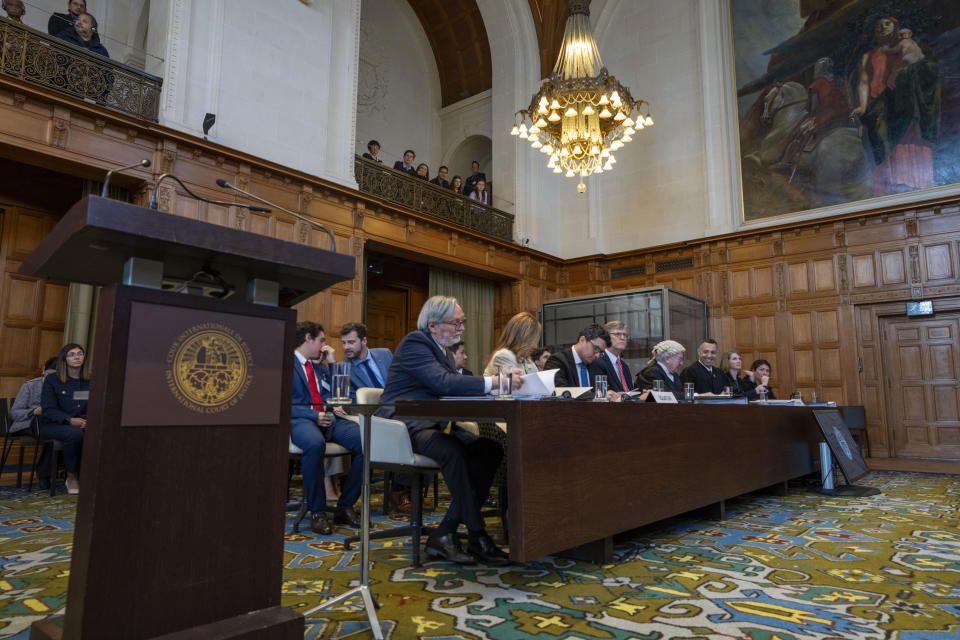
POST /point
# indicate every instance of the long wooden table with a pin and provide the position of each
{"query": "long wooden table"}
(580, 472)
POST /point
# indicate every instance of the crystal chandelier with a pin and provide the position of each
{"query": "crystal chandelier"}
(581, 114)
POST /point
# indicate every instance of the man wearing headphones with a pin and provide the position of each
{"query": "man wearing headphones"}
(14, 9)
(83, 34)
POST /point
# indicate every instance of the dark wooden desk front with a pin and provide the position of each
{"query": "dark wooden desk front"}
(580, 472)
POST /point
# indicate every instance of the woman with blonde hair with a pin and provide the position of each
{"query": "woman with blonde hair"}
(519, 338)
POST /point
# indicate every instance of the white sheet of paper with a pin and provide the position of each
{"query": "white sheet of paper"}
(540, 383)
(664, 396)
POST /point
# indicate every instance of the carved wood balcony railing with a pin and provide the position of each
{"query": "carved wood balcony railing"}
(403, 189)
(36, 57)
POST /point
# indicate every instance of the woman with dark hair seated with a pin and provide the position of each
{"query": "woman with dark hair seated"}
(758, 379)
(456, 184)
(423, 171)
(63, 416)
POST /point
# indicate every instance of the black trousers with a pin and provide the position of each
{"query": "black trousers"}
(468, 465)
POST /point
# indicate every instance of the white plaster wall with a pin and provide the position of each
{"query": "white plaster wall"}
(398, 97)
(281, 78)
(466, 131)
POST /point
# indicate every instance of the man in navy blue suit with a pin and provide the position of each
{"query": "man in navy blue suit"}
(611, 364)
(368, 367)
(422, 371)
(313, 423)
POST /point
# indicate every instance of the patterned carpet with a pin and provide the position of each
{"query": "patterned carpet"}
(788, 568)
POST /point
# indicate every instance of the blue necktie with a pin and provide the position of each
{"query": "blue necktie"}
(584, 378)
(371, 376)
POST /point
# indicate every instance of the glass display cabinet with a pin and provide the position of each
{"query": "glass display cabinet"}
(652, 314)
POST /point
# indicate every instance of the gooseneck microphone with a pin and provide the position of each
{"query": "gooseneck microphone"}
(106, 181)
(156, 186)
(226, 185)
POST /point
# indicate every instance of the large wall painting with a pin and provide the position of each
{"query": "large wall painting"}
(844, 100)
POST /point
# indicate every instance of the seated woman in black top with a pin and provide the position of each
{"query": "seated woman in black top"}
(732, 363)
(63, 417)
(757, 379)
(664, 365)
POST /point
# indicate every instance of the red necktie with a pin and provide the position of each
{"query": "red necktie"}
(623, 378)
(314, 387)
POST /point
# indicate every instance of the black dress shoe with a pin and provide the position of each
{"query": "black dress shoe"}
(448, 547)
(346, 516)
(319, 524)
(487, 552)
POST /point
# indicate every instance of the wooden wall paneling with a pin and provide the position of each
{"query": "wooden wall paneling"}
(939, 261)
(893, 267)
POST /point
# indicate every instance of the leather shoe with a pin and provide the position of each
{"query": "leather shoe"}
(319, 524)
(448, 548)
(400, 501)
(487, 552)
(346, 516)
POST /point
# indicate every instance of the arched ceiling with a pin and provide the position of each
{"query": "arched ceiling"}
(462, 51)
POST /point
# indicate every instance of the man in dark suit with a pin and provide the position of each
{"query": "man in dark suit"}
(574, 363)
(458, 352)
(610, 363)
(471, 184)
(61, 21)
(441, 179)
(421, 370)
(83, 34)
(312, 423)
(706, 378)
(406, 164)
(368, 367)
(663, 366)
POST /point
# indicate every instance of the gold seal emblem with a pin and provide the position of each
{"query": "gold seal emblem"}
(208, 368)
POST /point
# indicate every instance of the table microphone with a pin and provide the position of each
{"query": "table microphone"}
(156, 186)
(106, 181)
(226, 185)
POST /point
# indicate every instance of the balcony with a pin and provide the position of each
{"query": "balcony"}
(403, 189)
(27, 54)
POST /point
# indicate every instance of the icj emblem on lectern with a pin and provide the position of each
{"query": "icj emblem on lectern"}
(208, 368)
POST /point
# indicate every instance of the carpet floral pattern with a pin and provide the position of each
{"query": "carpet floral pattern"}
(802, 566)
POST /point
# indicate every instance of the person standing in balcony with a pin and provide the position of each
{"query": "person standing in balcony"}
(474, 178)
(14, 9)
(407, 163)
(441, 179)
(83, 34)
(373, 151)
(62, 21)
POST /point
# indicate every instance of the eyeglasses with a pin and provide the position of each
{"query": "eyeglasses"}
(597, 347)
(456, 324)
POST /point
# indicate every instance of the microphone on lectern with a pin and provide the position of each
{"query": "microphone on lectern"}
(226, 185)
(156, 186)
(106, 181)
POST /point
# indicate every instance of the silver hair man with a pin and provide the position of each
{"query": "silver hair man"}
(436, 309)
(665, 349)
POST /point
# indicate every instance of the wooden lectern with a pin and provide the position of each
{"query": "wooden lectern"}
(180, 520)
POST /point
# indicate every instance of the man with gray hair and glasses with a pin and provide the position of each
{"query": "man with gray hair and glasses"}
(421, 370)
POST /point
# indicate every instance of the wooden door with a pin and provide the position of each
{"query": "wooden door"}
(386, 316)
(921, 361)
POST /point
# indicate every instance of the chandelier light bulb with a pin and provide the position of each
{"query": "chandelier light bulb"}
(616, 145)
(599, 169)
(605, 153)
(536, 144)
(626, 139)
(603, 99)
(564, 152)
(605, 113)
(595, 150)
(619, 117)
(628, 122)
(607, 167)
(570, 112)
(534, 130)
(588, 111)
(570, 173)
(577, 150)
(541, 123)
(639, 124)
(554, 104)
(628, 131)
(515, 131)
(554, 116)
(523, 128)
(557, 170)
(648, 121)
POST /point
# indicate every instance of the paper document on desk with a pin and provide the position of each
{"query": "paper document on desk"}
(540, 383)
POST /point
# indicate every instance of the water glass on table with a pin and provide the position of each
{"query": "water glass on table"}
(797, 397)
(506, 383)
(600, 388)
(340, 385)
(688, 391)
(658, 385)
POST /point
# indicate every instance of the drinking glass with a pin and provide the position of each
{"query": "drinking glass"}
(600, 388)
(763, 396)
(813, 397)
(658, 385)
(506, 384)
(688, 391)
(340, 387)
(727, 391)
(797, 397)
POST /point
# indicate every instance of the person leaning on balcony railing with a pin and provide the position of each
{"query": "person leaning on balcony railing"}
(423, 171)
(61, 21)
(83, 34)
(441, 179)
(373, 151)
(456, 184)
(14, 9)
(479, 192)
(407, 163)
